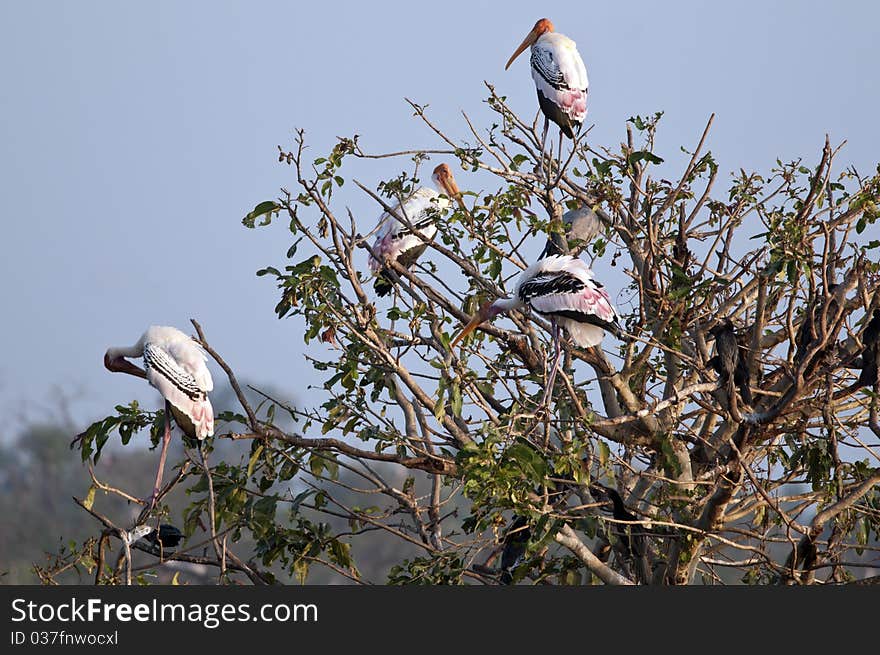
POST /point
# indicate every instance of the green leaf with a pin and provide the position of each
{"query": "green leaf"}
(455, 399)
(255, 457)
(264, 209)
(643, 155)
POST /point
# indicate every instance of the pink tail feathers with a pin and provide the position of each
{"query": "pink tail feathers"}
(203, 418)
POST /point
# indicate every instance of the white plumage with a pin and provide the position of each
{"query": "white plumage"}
(564, 289)
(176, 366)
(560, 79)
(395, 241)
(559, 74)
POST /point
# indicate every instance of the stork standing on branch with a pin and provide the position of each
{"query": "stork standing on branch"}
(563, 289)
(560, 79)
(397, 241)
(176, 366)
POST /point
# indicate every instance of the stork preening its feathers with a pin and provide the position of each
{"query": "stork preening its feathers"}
(563, 289)
(176, 366)
(397, 241)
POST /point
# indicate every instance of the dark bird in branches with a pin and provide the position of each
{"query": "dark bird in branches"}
(810, 329)
(729, 361)
(632, 538)
(516, 539)
(167, 536)
(870, 352)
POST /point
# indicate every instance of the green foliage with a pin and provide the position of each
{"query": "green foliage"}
(128, 420)
(433, 449)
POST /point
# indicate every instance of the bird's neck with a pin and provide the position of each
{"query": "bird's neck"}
(137, 350)
(115, 359)
(503, 305)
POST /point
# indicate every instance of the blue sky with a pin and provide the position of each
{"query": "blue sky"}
(136, 135)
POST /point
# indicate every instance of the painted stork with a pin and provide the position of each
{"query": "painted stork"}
(562, 288)
(560, 78)
(396, 241)
(176, 366)
(581, 226)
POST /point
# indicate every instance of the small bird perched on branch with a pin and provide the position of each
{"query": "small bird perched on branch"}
(168, 536)
(730, 363)
(810, 330)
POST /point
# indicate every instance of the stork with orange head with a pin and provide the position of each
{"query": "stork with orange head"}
(560, 78)
(404, 234)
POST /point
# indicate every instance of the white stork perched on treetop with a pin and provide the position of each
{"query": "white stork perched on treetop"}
(397, 241)
(581, 226)
(175, 365)
(560, 78)
(563, 289)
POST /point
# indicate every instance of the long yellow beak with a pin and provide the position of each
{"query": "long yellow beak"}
(476, 321)
(453, 192)
(529, 40)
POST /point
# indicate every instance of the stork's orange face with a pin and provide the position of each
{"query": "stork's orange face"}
(446, 181)
(541, 27)
(444, 177)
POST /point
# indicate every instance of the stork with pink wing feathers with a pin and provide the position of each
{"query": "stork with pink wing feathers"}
(397, 241)
(560, 78)
(564, 289)
(176, 366)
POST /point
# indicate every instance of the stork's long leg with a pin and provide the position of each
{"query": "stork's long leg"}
(166, 439)
(557, 355)
(559, 158)
(544, 145)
